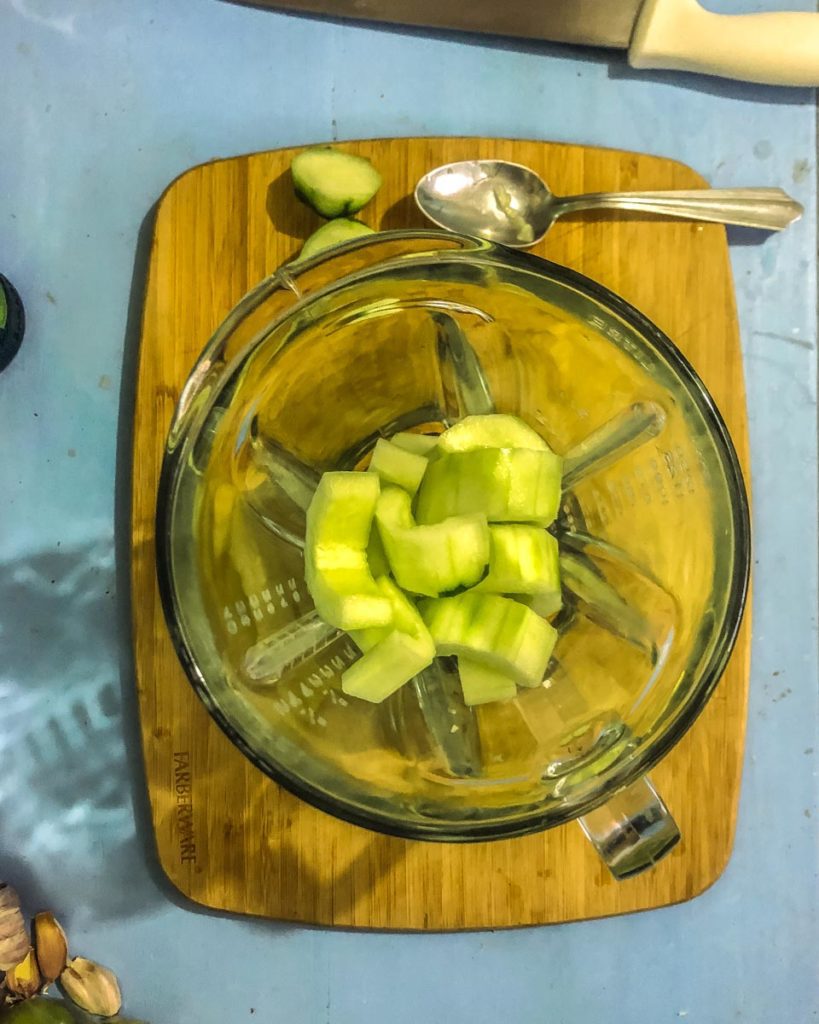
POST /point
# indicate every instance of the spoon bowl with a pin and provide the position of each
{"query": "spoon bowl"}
(511, 204)
(497, 200)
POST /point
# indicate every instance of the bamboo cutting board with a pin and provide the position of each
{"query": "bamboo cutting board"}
(226, 835)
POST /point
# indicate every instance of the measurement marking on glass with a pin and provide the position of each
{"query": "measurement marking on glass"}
(261, 604)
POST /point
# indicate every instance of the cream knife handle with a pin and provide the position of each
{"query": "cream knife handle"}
(776, 48)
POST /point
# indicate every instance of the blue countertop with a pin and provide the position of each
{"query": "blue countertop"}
(103, 103)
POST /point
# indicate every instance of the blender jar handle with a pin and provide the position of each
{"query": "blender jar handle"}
(633, 831)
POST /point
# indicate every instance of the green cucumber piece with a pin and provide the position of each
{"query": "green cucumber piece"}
(546, 604)
(395, 465)
(507, 485)
(391, 656)
(495, 631)
(405, 618)
(334, 183)
(435, 559)
(418, 444)
(523, 560)
(339, 523)
(341, 511)
(347, 596)
(376, 555)
(386, 667)
(483, 684)
(333, 233)
(491, 431)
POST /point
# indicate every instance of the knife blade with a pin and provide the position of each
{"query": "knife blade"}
(779, 48)
(605, 23)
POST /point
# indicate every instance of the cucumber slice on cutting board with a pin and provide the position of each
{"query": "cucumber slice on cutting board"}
(392, 656)
(495, 631)
(334, 183)
(333, 233)
(418, 444)
(484, 684)
(522, 560)
(339, 522)
(435, 559)
(491, 431)
(507, 485)
(395, 465)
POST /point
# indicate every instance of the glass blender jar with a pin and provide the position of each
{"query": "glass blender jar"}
(413, 330)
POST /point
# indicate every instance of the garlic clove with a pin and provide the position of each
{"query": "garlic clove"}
(14, 941)
(24, 979)
(91, 986)
(51, 946)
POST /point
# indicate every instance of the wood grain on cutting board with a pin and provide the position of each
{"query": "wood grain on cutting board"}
(230, 838)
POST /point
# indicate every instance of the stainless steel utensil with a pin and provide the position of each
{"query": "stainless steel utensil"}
(511, 204)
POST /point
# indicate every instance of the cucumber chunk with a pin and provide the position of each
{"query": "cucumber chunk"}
(405, 618)
(341, 511)
(418, 444)
(357, 607)
(435, 559)
(483, 684)
(376, 555)
(339, 522)
(490, 431)
(334, 183)
(523, 560)
(386, 667)
(333, 233)
(392, 656)
(495, 631)
(546, 604)
(506, 485)
(395, 465)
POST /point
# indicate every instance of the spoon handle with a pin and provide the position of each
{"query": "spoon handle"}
(768, 208)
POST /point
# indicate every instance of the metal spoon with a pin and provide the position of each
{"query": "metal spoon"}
(511, 204)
